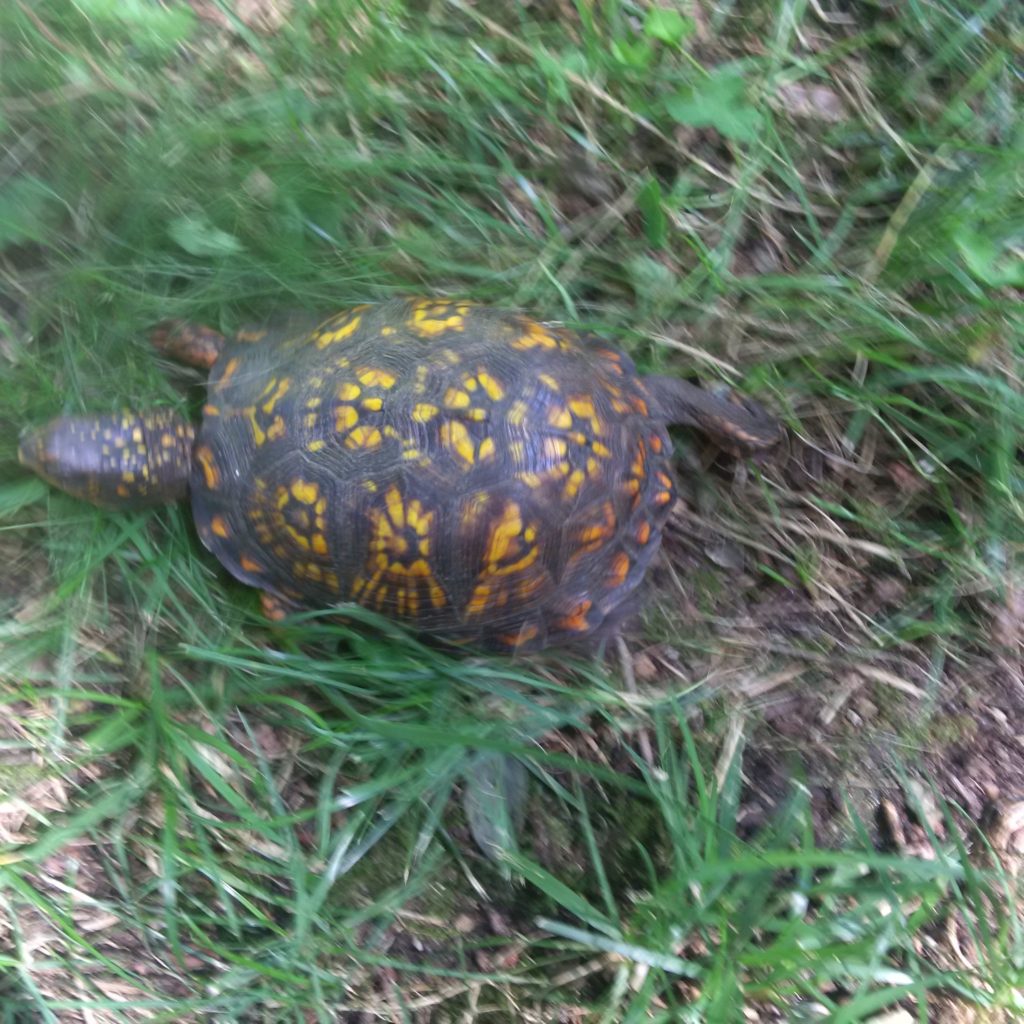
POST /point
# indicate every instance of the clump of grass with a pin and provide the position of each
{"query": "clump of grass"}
(821, 207)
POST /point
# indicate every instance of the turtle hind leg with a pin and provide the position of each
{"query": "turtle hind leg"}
(733, 422)
(126, 460)
(188, 343)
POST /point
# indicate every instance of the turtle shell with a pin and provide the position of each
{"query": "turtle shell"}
(484, 477)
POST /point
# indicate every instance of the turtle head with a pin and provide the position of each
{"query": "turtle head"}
(128, 460)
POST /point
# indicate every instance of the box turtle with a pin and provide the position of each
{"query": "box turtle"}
(486, 478)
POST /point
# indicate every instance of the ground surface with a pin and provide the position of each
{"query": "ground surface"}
(796, 792)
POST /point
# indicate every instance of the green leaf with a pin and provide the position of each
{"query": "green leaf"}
(494, 800)
(719, 102)
(152, 28)
(667, 26)
(649, 202)
(655, 285)
(28, 210)
(196, 235)
(987, 261)
(633, 53)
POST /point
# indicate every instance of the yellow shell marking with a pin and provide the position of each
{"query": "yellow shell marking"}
(305, 524)
(364, 437)
(559, 417)
(455, 399)
(374, 377)
(576, 620)
(517, 412)
(423, 412)
(494, 391)
(397, 568)
(619, 571)
(305, 492)
(345, 417)
(574, 483)
(431, 318)
(332, 337)
(230, 367)
(455, 436)
(534, 336)
(211, 474)
(276, 429)
(276, 389)
(258, 434)
(510, 550)
(349, 392)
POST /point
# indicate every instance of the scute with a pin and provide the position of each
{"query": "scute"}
(475, 473)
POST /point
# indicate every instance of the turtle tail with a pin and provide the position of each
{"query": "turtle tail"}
(128, 460)
(733, 422)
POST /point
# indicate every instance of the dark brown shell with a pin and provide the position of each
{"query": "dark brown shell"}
(486, 478)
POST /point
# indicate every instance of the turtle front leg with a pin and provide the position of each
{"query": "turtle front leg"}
(129, 460)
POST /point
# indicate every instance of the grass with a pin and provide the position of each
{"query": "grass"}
(200, 817)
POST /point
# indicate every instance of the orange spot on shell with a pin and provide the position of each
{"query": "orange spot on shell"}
(576, 620)
(619, 571)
